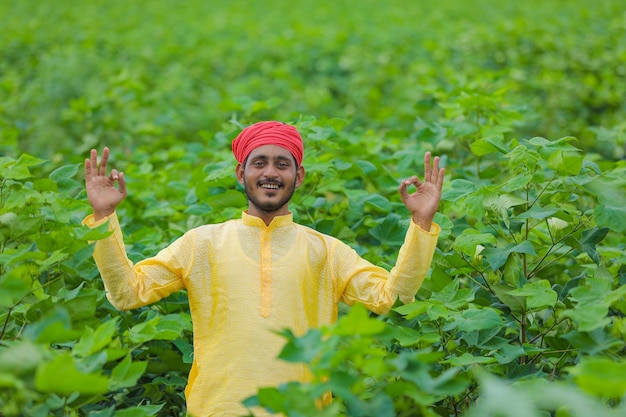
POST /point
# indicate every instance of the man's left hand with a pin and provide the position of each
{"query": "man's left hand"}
(423, 203)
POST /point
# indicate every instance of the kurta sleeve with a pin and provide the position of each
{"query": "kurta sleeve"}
(378, 289)
(131, 285)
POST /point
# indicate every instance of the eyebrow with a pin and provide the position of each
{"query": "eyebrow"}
(278, 158)
(267, 157)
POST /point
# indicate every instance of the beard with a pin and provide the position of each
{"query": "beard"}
(269, 207)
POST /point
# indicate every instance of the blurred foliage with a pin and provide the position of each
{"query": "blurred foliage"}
(121, 74)
(525, 304)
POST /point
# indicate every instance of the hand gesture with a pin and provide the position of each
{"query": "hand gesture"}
(101, 191)
(423, 203)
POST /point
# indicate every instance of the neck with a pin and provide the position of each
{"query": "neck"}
(267, 216)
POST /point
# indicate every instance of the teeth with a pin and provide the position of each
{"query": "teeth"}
(270, 186)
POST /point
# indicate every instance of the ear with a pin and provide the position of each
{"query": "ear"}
(239, 171)
(300, 173)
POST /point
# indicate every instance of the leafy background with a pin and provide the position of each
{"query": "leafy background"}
(523, 313)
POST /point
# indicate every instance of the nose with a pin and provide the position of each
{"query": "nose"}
(270, 171)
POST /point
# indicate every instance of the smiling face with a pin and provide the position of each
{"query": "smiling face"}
(270, 176)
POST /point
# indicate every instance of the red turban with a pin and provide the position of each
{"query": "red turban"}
(268, 133)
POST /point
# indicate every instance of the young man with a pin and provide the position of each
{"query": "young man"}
(248, 277)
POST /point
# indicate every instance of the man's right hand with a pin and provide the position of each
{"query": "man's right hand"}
(101, 191)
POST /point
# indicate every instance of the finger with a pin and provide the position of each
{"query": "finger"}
(91, 165)
(114, 175)
(442, 172)
(122, 184)
(94, 162)
(404, 192)
(102, 168)
(427, 168)
(87, 170)
(413, 180)
(402, 189)
(435, 170)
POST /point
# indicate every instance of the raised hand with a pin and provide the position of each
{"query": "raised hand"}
(101, 191)
(423, 203)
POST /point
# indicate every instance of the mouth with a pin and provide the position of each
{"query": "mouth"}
(269, 185)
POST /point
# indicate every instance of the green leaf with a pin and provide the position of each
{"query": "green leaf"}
(229, 198)
(378, 202)
(478, 319)
(198, 209)
(589, 316)
(611, 212)
(475, 204)
(601, 376)
(497, 257)
(158, 328)
(517, 182)
(539, 295)
(412, 310)
(94, 341)
(590, 239)
(501, 202)
(381, 405)
(61, 376)
(366, 166)
(567, 161)
(459, 188)
(467, 241)
(523, 160)
(358, 322)
(593, 342)
(18, 169)
(503, 292)
(611, 216)
(593, 301)
(439, 311)
(86, 233)
(301, 349)
(139, 411)
(537, 212)
(483, 146)
(508, 353)
(185, 348)
(20, 357)
(126, 373)
(407, 336)
(272, 398)
(468, 359)
(341, 165)
(81, 307)
(54, 328)
(12, 289)
(64, 177)
(389, 232)
(452, 297)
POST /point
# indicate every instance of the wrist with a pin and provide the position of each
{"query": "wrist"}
(424, 223)
(99, 215)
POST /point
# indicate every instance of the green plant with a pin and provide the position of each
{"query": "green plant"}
(520, 290)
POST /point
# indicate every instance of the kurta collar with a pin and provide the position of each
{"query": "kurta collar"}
(278, 221)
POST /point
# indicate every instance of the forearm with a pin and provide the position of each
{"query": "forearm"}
(414, 260)
(377, 288)
(130, 286)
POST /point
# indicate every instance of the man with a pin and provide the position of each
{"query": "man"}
(248, 277)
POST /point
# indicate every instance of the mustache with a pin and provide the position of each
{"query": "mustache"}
(271, 181)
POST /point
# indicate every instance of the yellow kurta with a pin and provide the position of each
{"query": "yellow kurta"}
(245, 280)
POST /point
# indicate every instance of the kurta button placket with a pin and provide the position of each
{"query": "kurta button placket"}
(266, 272)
